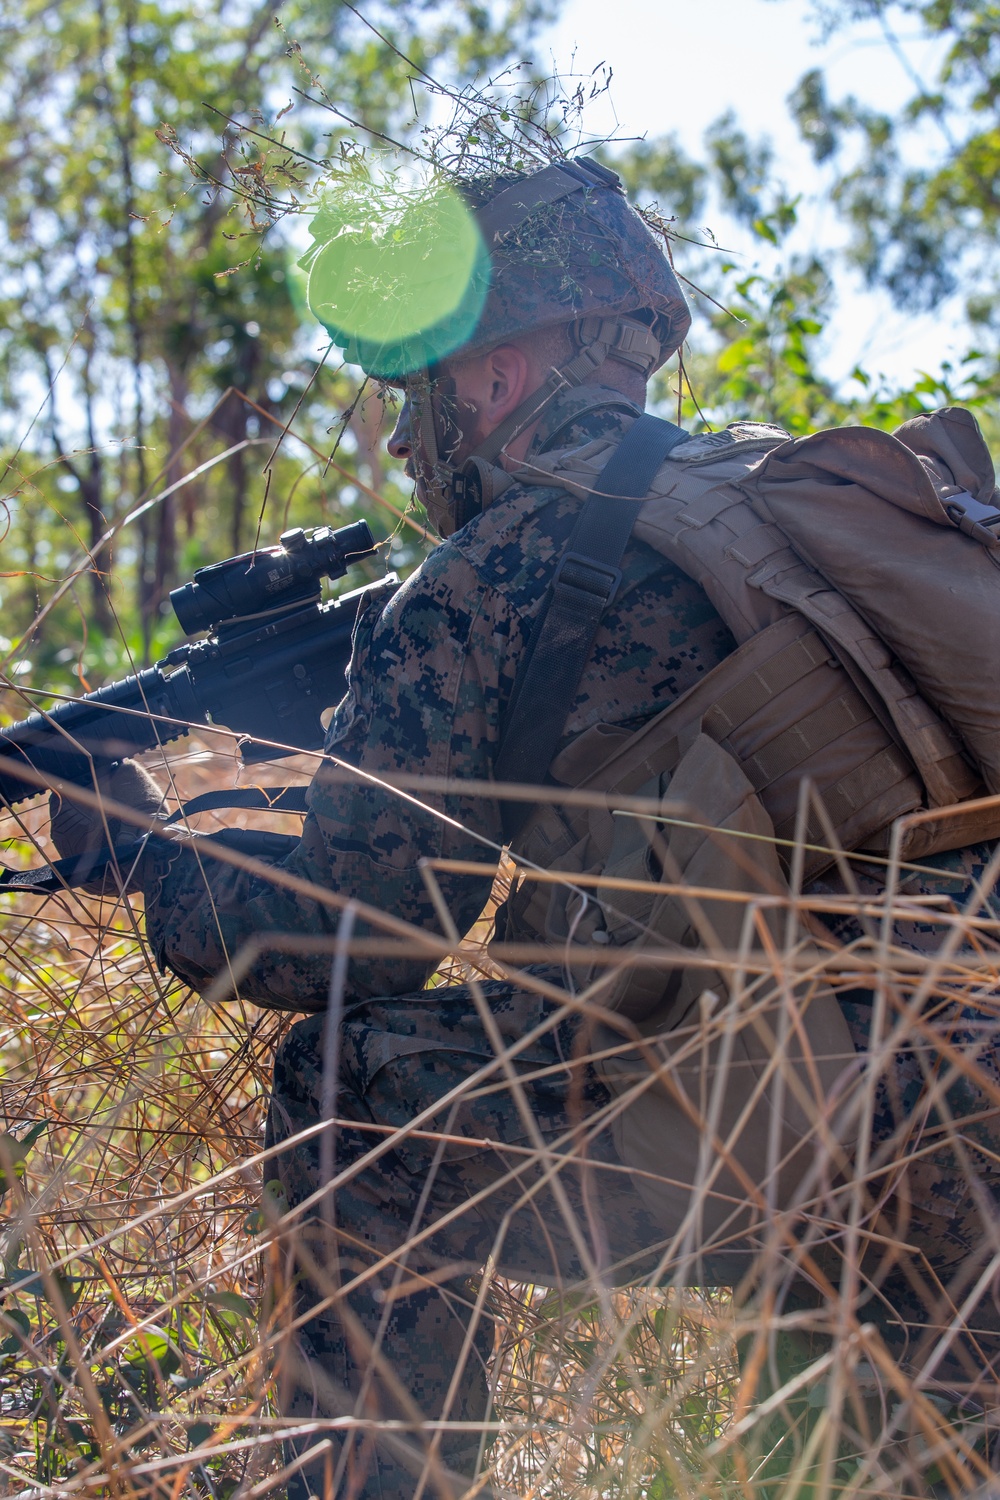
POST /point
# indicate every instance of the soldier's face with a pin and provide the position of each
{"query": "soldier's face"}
(456, 427)
(469, 398)
(434, 433)
(411, 439)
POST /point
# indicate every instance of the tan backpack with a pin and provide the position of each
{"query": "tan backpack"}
(858, 570)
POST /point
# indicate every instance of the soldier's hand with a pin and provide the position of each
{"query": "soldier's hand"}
(77, 829)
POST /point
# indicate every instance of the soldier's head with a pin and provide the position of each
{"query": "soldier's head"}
(565, 285)
(476, 392)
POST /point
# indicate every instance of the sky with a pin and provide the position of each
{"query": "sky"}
(677, 65)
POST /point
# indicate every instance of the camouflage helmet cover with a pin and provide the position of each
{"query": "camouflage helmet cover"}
(561, 244)
(586, 254)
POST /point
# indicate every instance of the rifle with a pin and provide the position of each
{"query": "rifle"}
(273, 657)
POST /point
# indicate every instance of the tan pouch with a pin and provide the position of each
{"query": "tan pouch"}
(708, 789)
(744, 1081)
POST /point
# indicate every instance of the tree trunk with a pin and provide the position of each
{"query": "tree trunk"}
(89, 478)
(188, 500)
(91, 482)
(231, 423)
(178, 423)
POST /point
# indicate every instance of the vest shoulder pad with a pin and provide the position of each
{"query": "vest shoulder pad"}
(719, 456)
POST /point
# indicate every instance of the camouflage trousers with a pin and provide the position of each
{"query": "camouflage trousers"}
(391, 1326)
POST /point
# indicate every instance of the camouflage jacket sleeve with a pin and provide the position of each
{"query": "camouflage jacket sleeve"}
(426, 683)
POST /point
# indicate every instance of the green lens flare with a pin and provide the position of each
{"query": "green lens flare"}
(398, 280)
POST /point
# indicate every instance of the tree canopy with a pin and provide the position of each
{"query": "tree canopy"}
(919, 187)
(915, 190)
(129, 331)
(153, 338)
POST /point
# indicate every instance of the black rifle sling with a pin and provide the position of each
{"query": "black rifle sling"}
(585, 583)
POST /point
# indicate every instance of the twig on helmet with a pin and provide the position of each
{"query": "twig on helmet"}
(268, 140)
(370, 130)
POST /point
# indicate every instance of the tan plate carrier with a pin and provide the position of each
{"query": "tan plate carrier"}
(858, 572)
(867, 621)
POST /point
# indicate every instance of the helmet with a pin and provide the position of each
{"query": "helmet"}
(557, 247)
(554, 247)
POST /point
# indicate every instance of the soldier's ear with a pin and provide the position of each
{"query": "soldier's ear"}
(508, 372)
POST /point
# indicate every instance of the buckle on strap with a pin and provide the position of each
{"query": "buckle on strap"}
(973, 518)
(588, 577)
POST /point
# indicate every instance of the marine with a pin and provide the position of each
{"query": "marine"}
(500, 1120)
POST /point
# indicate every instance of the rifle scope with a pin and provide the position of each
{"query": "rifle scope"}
(271, 578)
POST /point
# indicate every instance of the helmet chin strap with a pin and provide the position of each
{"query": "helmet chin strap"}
(598, 339)
(430, 445)
(455, 495)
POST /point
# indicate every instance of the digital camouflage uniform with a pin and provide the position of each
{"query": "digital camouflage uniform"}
(429, 681)
(944, 1201)
(398, 1058)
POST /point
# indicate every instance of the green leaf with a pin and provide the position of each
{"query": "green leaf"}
(68, 1290)
(12, 1155)
(33, 1284)
(765, 231)
(740, 352)
(151, 1346)
(11, 1256)
(31, 1136)
(274, 1200)
(151, 1343)
(273, 1206)
(28, 1284)
(20, 1321)
(14, 1151)
(200, 1433)
(231, 1302)
(82, 1435)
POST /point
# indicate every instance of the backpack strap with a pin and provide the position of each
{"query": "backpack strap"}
(586, 581)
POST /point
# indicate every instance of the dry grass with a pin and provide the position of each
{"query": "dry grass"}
(678, 1353)
(154, 1276)
(146, 1095)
